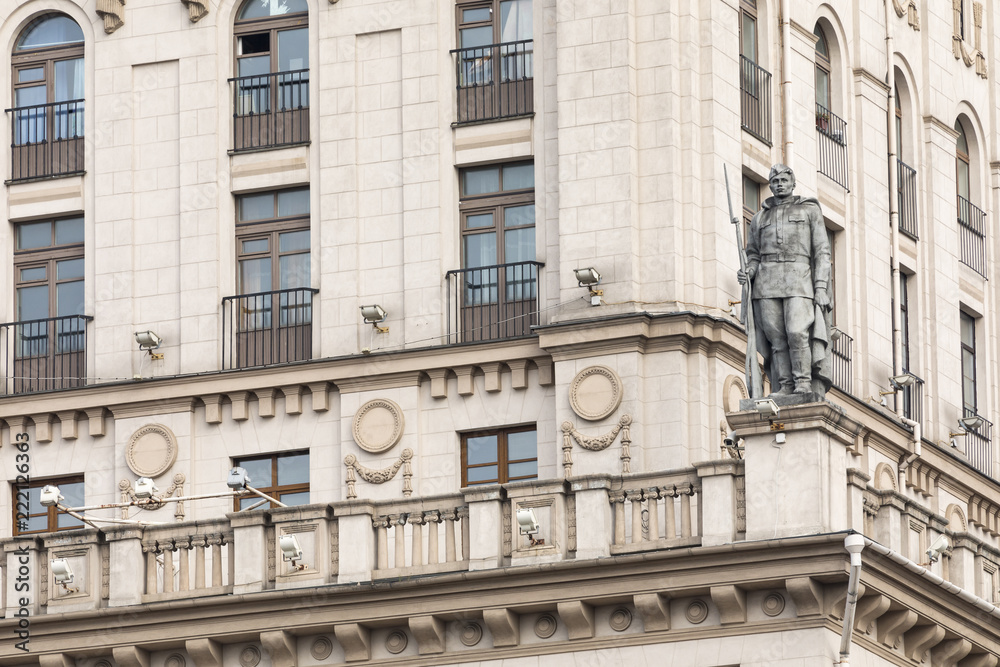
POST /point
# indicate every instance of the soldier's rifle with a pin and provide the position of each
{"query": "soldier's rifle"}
(755, 383)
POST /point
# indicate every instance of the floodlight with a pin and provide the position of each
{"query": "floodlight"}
(62, 573)
(144, 488)
(902, 381)
(587, 277)
(373, 315)
(526, 521)
(147, 340)
(766, 406)
(939, 545)
(49, 496)
(238, 479)
(971, 423)
(291, 551)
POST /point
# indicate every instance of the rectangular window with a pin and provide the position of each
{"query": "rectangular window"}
(968, 333)
(284, 477)
(748, 30)
(904, 321)
(47, 519)
(499, 456)
(751, 204)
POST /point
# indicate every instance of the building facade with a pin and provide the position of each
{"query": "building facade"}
(454, 284)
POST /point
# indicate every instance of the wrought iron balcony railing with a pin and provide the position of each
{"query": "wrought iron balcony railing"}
(270, 110)
(47, 140)
(843, 346)
(832, 155)
(913, 400)
(493, 302)
(267, 328)
(979, 445)
(44, 355)
(907, 191)
(494, 81)
(972, 235)
(755, 99)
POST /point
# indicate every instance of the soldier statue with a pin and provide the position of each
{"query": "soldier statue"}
(789, 271)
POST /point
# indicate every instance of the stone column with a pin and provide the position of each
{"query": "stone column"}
(356, 534)
(249, 551)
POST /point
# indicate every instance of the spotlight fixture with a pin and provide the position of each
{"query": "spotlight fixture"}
(291, 551)
(971, 423)
(374, 315)
(766, 406)
(149, 341)
(939, 545)
(62, 573)
(589, 277)
(238, 479)
(144, 488)
(527, 525)
(49, 496)
(902, 381)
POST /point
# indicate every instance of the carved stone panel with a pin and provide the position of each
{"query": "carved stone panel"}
(595, 393)
(378, 425)
(151, 450)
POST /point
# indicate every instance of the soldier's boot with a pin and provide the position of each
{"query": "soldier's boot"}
(783, 371)
(801, 360)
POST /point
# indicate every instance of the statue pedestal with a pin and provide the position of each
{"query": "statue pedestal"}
(798, 486)
(784, 400)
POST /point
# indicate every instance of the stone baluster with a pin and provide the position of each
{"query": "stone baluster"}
(150, 551)
(416, 538)
(167, 548)
(183, 555)
(635, 496)
(399, 534)
(381, 525)
(618, 500)
(432, 519)
(463, 515)
(200, 545)
(216, 541)
(652, 495)
(686, 510)
(449, 517)
(670, 526)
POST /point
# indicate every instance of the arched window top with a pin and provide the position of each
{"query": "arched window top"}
(49, 30)
(963, 141)
(822, 48)
(259, 9)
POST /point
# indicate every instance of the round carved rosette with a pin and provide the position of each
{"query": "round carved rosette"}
(250, 656)
(470, 634)
(378, 425)
(175, 660)
(151, 450)
(396, 642)
(546, 626)
(321, 648)
(696, 612)
(595, 393)
(621, 619)
(773, 604)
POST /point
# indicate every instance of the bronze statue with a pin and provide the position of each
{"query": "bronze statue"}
(789, 270)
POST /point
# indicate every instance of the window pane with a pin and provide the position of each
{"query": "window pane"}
(34, 273)
(257, 43)
(480, 250)
(32, 304)
(38, 522)
(256, 89)
(475, 15)
(473, 37)
(293, 469)
(294, 271)
(480, 181)
(822, 88)
(29, 97)
(257, 207)
(525, 470)
(50, 30)
(289, 241)
(519, 245)
(34, 503)
(519, 177)
(259, 471)
(293, 50)
(963, 179)
(481, 449)
(255, 9)
(69, 268)
(522, 445)
(479, 220)
(968, 331)
(293, 202)
(69, 298)
(69, 231)
(34, 235)
(69, 80)
(519, 216)
(253, 500)
(480, 475)
(255, 275)
(30, 74)
(293, 499)
(748, 47)
(255, 246)
(751, 194)
(73, 493)
(515, 20)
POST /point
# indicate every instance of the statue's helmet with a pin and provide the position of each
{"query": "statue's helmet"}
(779, 169)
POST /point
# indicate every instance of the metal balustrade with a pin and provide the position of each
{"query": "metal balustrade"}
(44, 355)
(913, 400)
(755, 99)
(270, 110)
(832, 154)
(493, 302)
(979, 445)
(842, 372)
(972, 235)
(47, 140)
(494, 81)
(267, 328)
(907, 193)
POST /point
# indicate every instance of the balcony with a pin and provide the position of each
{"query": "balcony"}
(494, 82)
(842, 349)
(907, 192)
(492, 302)
(267, 328)
(47, 140)
(270, 110)
(979, 445)
(831, 157)
(755, 99)
(972, 235)
(44, 355)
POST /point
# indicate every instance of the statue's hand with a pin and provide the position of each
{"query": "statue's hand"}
(822, 298)
(744, 276)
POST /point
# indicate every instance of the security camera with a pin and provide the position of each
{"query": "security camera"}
(766, 406)
(730, 440)
(939, 545)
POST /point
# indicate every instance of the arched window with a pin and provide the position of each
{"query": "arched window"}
(831, 128)
(962, 168)
(48, 98)
(822, 68)
(971, 219)
(272, 74)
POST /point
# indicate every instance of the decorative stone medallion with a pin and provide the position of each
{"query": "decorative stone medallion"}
(595, 393)
(620, 619)
(175, 660)
(250, 656)
(696, 612)
(151, 450)
(321, 648)
(773, 604)
(396, 642)
(470, 634)
(378, 425)
(546, 626)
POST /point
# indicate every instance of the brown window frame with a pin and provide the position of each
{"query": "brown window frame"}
(271, 25)
(503, 462)
(824, 64)
(271, 229)
(52, 513)
(495, 203)
(962, 157)
(46, 256)
(493, 21)
(969, 349)
(46, 57)
(275, 490)
(748, 9)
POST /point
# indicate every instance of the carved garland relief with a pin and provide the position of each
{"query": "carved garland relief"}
(375, 476)
(598, 443)
(960, 47)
